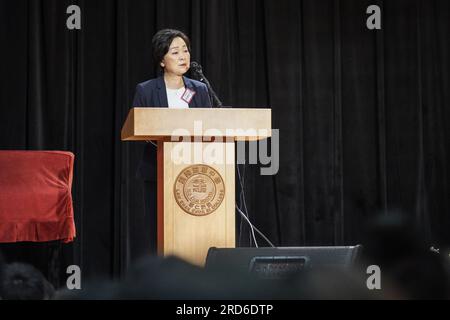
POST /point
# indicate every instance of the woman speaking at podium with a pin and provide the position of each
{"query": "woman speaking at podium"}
(171, 52)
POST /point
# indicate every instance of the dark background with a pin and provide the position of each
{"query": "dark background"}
(363, 114)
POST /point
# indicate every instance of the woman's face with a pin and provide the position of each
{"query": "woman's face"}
(178, 59)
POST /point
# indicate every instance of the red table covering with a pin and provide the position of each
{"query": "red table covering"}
(36, 196)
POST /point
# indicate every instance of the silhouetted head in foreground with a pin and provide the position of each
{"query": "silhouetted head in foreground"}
(19, 281)
(393, 242)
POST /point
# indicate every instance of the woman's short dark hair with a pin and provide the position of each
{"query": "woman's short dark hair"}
(161, 42)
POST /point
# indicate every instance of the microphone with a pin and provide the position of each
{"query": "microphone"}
(197, 68)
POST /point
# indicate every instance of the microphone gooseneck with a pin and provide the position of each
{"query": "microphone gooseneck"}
(197, 68)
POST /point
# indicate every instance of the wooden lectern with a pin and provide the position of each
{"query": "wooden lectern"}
(196, 172)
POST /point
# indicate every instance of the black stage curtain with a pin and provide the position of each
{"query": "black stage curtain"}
(363, 114)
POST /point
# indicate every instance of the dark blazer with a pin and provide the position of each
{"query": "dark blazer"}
(152, 93)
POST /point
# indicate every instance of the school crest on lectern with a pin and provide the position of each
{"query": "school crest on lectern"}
(199, 190)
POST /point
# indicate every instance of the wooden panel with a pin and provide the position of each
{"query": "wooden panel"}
(160, 198)
(230, 221)
(157, 123)
(189, 236)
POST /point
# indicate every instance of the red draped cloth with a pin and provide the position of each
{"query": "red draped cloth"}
(36, 196)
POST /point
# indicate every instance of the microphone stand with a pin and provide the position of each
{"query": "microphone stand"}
(244, 212)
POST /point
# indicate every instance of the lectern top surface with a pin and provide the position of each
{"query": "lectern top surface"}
(163, 123)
